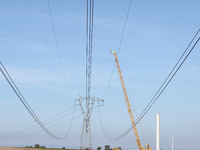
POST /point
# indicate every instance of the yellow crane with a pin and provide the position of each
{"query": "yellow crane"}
(128, 105)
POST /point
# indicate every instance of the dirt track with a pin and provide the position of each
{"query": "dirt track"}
(12, 148)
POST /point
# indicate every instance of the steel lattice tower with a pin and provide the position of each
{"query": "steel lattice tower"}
(86, 135)
(86, 139)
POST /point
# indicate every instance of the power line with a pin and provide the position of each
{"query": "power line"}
(171, 71)
(57, 47)
(86, 140)
(46, 122)
(160, 90)
(23, 100)
(147, 109)
(89, 40)
(18, 93)
(129, 7)
(15, 136)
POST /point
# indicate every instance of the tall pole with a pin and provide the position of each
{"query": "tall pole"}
(157, 131)
(172, 143)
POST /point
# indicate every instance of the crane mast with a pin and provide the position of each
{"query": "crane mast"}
(128, 105)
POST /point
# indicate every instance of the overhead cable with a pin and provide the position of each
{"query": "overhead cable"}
(27, 134)
(47, 121)
(23, 100)
(158, 95)
(162, 88)
(120, 43)
(58, 50)
(89, 41)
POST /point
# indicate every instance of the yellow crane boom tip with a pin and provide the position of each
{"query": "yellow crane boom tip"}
(112, 51)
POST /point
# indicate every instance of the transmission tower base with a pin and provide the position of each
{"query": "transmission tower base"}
(86, 135)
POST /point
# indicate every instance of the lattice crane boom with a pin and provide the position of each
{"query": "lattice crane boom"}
(128, 105)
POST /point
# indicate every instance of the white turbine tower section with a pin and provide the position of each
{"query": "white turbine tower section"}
(172, 139)
(157, 131)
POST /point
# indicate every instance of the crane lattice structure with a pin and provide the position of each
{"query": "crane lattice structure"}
(128, 106)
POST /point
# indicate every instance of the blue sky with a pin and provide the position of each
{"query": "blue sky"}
(156, 35)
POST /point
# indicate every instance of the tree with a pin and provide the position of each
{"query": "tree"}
(107, 147)
(99, 148)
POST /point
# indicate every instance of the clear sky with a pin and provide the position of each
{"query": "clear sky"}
(156, 34)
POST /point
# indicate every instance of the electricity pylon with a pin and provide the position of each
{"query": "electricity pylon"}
(86, 135)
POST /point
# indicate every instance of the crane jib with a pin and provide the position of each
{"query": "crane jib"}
(128, 105)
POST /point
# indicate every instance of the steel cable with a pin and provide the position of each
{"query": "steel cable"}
(24, 102)
(120, 43)
(144, 113)
(36, 126)
(160, 90)
(58, 50)
(15, 136)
